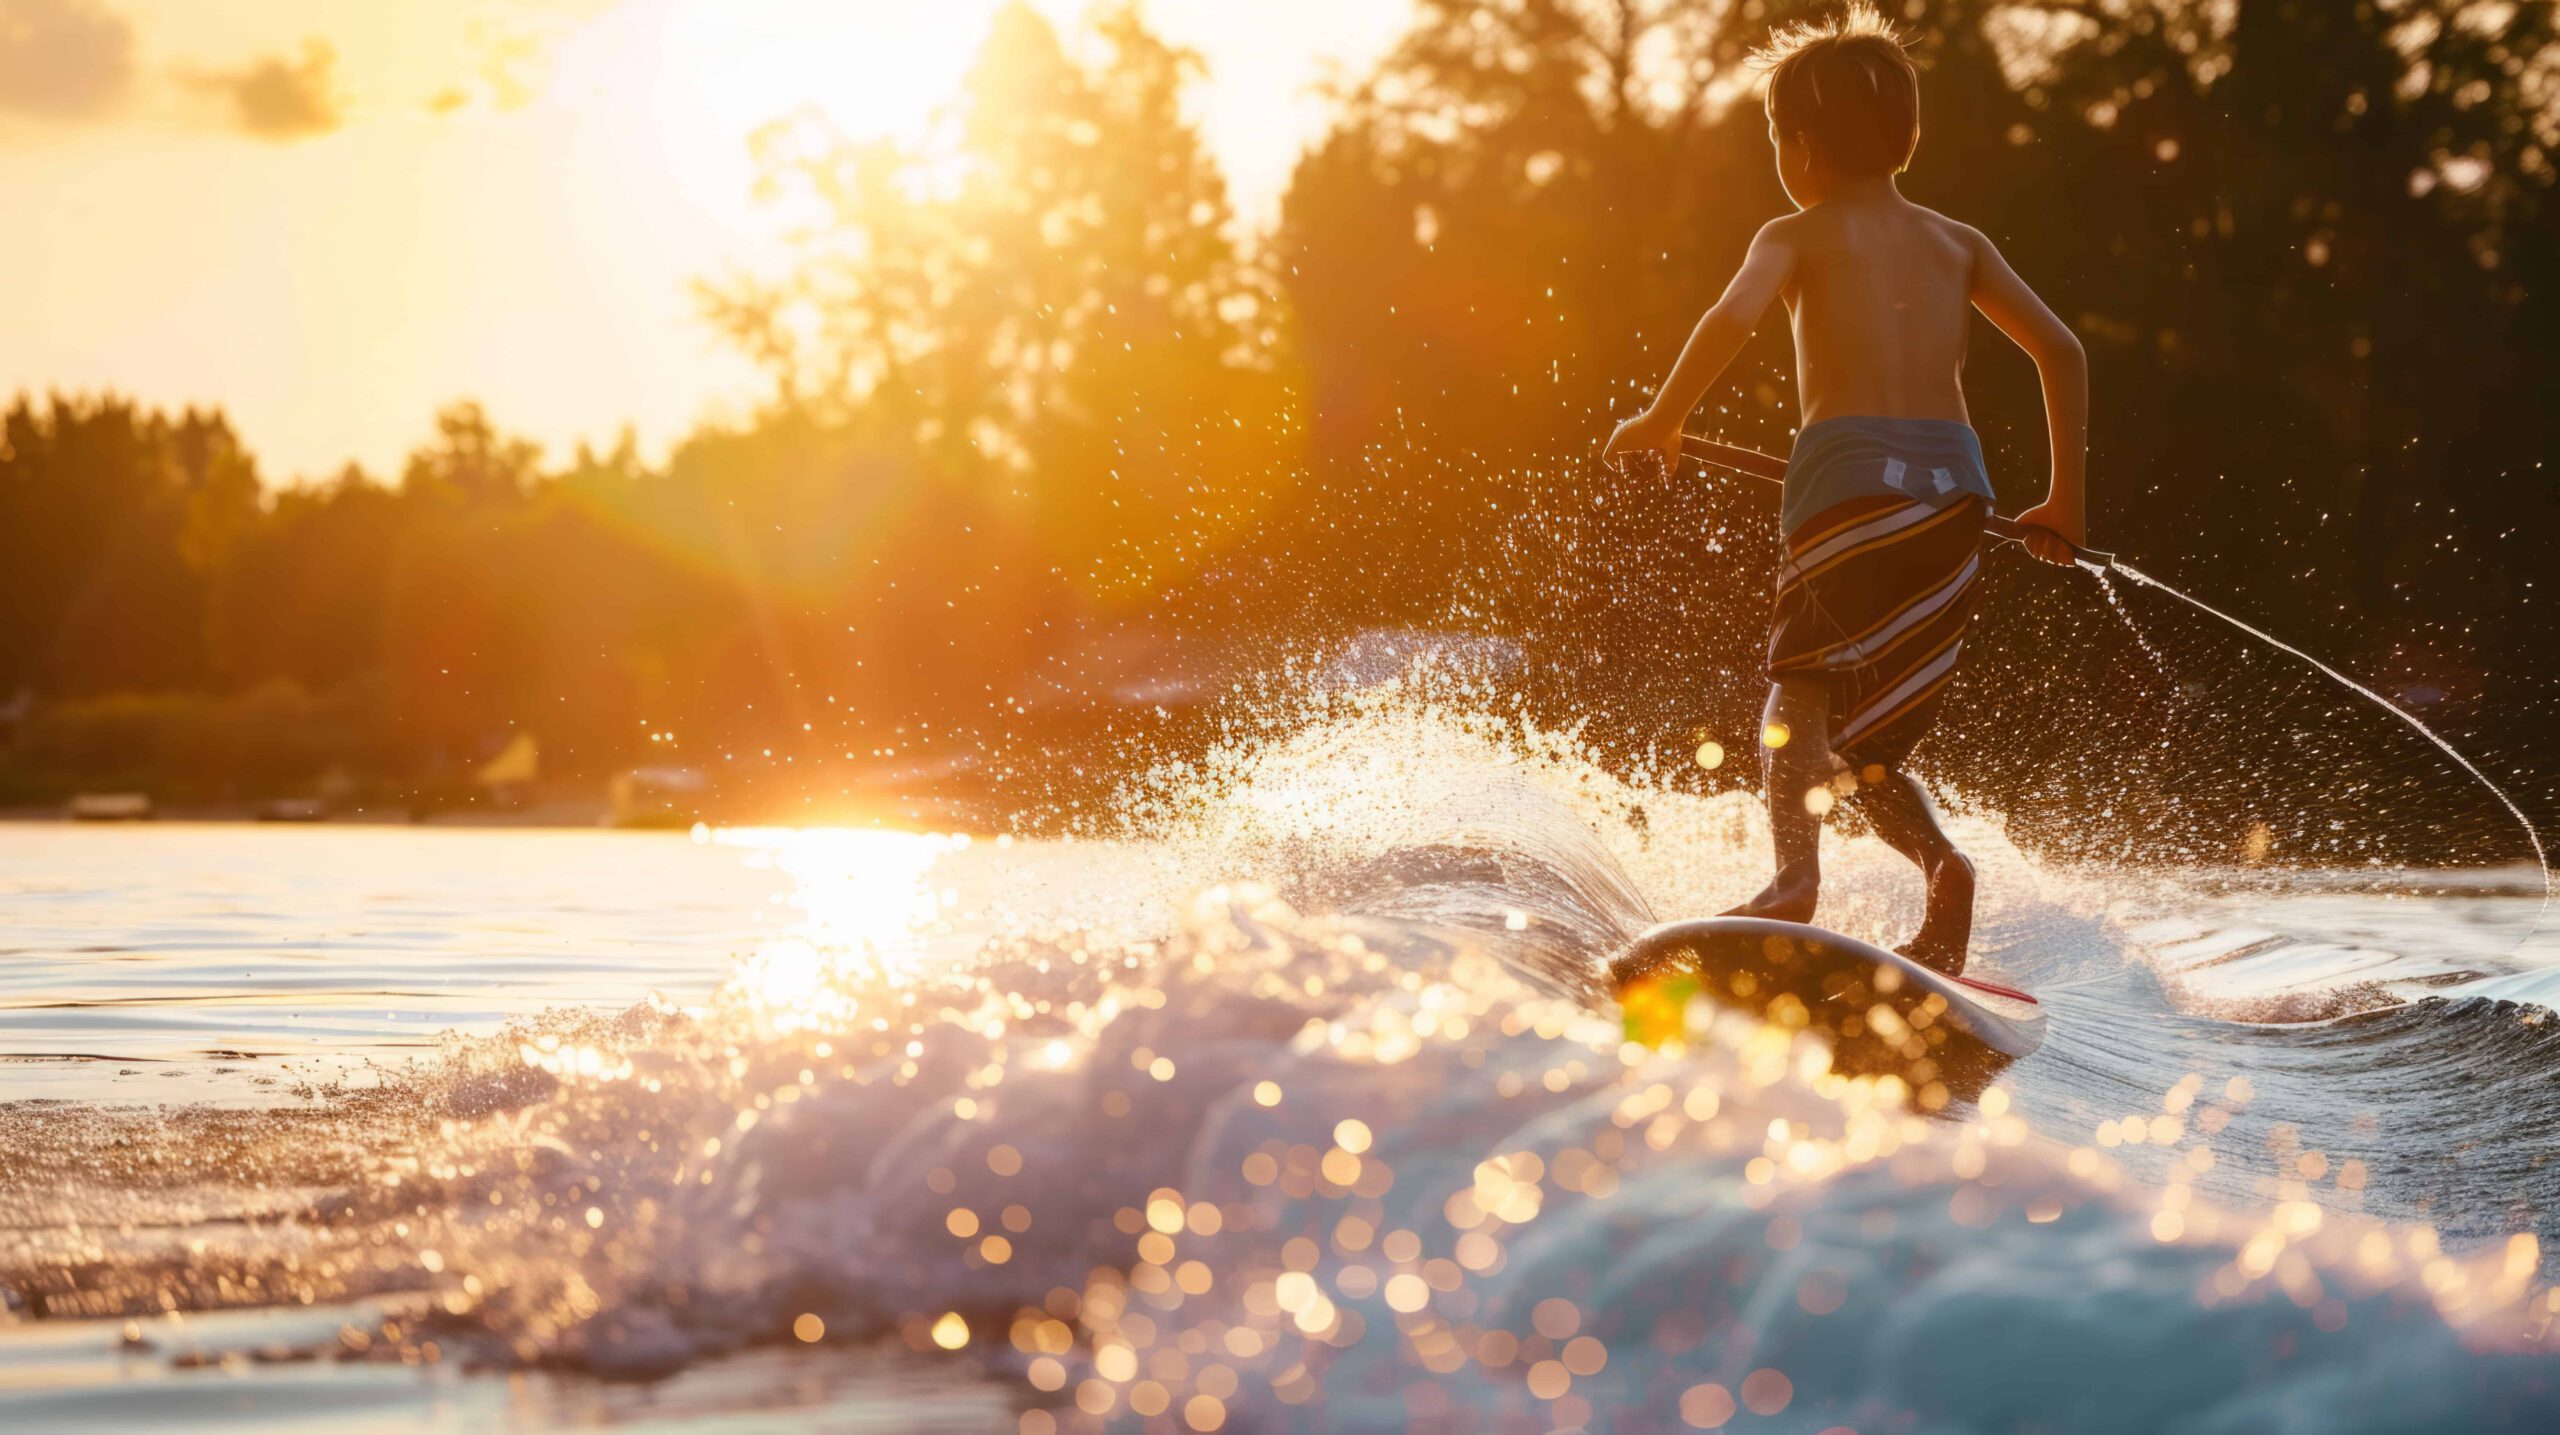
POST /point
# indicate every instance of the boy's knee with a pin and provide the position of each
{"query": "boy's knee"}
(1797, 724)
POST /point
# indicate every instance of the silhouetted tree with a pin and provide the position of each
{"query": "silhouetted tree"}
(470, 461)
(1046, 310)
(300, 595)
(110, 519)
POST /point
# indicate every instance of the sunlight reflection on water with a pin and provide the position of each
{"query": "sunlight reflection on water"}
(865, 905)
(206, 962)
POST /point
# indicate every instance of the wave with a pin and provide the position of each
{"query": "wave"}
(1344, 1135)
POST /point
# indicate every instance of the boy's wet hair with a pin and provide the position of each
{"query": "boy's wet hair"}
(1846, 84)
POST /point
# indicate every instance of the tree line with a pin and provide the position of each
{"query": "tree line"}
(1042, 415)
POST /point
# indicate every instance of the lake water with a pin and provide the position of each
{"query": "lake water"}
(1298, 1106)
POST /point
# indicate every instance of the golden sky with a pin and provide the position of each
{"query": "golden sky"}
(333, 216)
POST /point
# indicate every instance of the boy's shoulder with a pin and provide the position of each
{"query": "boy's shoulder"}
(1830, 218)
(1834, 229)
(1951, 226)
(1787, 227)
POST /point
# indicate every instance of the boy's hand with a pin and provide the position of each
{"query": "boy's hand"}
(1646, 433)
(2050, 532)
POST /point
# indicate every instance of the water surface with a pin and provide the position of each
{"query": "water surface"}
(1294, 1105)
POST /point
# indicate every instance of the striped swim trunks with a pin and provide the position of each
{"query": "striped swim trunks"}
(1879, 580)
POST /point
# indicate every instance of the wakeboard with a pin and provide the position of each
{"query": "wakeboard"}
(1881, 1010)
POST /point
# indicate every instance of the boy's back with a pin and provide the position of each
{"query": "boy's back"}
(1881, 301)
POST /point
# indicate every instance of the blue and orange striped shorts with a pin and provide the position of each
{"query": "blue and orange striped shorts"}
(1874, 595)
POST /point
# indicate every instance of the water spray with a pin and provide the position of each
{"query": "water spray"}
(2541, 860)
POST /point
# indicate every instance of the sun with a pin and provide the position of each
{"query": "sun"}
(676, 88)
(870, 65)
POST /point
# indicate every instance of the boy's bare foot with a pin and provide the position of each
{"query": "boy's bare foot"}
(1789, 897)
(1946, 929)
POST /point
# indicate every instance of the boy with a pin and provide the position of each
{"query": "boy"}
(1886, 491)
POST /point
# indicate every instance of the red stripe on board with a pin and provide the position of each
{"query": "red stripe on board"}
(1998, 990)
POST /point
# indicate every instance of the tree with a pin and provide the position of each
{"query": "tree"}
(111, 517)
(1044, 306)
(470, 461)
(300, 596)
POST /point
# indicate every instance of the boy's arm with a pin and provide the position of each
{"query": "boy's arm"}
(1712, 345)
(2014, 309)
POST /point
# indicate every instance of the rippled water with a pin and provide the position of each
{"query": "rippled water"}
(176, 961)
(1297, 1105)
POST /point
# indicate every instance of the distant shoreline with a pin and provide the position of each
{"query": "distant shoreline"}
(916, 815)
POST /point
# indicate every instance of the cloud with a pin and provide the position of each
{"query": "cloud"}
(280, 99)
(64, 59)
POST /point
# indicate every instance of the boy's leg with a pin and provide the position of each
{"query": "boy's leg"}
(1789, 769)
(1901, 813)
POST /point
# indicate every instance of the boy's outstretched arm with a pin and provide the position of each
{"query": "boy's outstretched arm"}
(1712, 345)
(2014, 309)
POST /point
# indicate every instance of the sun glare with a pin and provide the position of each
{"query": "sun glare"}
(680, 86)
(864, 903)
(869, 67)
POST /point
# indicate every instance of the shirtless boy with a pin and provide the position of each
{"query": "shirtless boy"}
(1886, 490)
